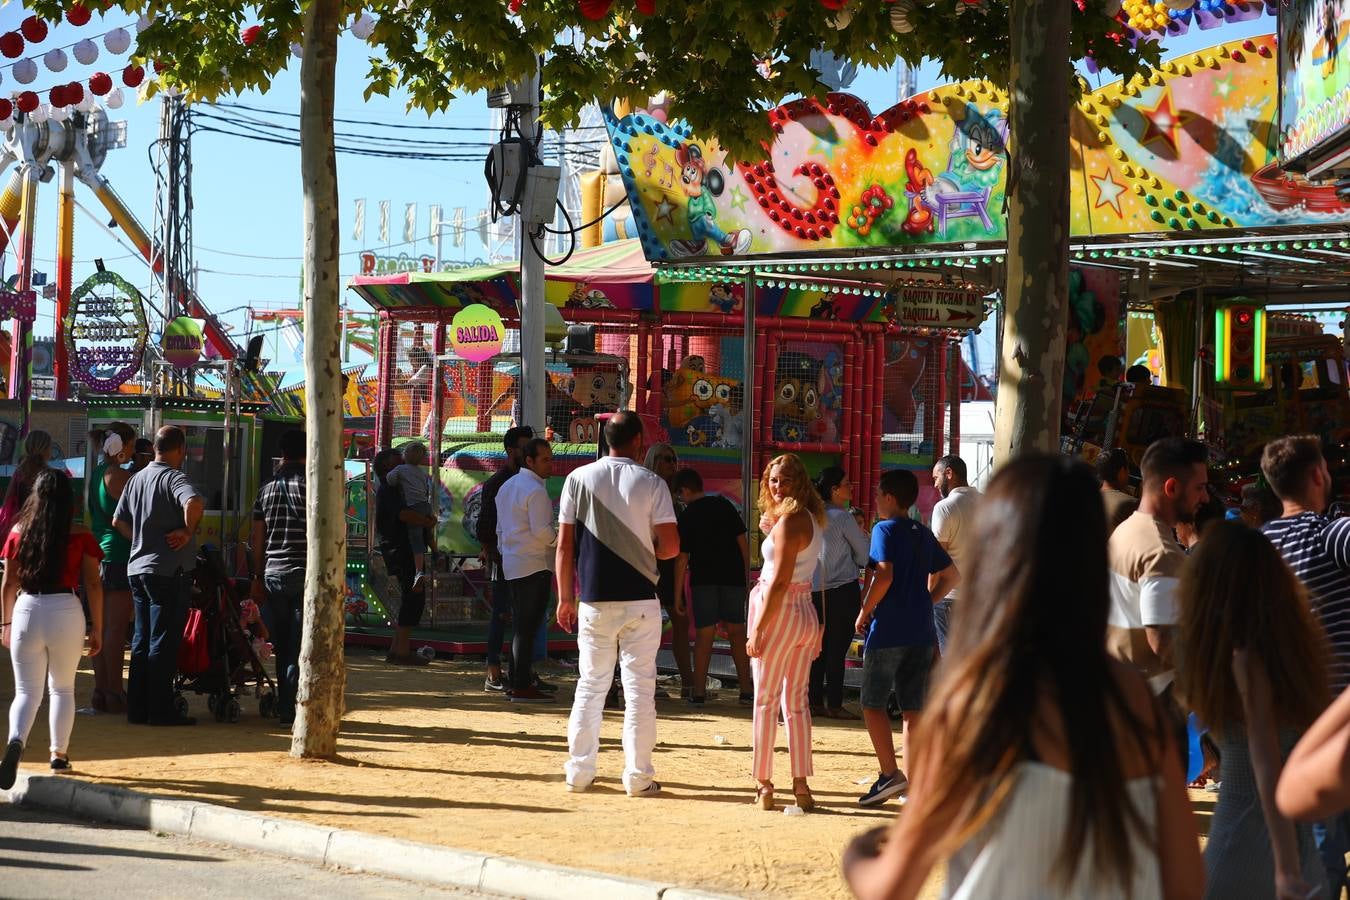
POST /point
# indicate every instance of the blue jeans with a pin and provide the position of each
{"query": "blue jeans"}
(1332, 837)
(161, 610)
(706, 227)
(286, 600)
(942, 621)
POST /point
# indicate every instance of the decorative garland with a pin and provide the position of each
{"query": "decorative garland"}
(107, 325)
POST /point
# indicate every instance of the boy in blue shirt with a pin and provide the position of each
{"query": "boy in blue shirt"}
(913, 573)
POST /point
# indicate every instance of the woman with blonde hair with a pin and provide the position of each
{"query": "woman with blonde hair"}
(118, 444)
(662, 460)
(1044, 768)
(784, 634)
(1253, 666)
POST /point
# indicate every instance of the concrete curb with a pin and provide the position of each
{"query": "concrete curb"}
(354, 850)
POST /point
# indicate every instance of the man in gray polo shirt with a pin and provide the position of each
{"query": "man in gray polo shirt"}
(159, 512)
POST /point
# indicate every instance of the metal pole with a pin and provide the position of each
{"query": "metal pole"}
(748, 411)
(1197, 369)
(533, 376)
(65, 243)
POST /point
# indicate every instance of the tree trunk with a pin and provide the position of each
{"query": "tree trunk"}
(322, 668)
(1031, 374)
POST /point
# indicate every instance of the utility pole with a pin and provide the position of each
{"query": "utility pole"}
(533, 377)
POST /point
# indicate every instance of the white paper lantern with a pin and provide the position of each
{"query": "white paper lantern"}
(25, 71)
(143, 23)
(39, 115)
(58, 114)
(297, 50)
(6, 122)
(87, 102)
(86, 51)
(114, 99)
(55, 60)
(117, 41)
(364, 26)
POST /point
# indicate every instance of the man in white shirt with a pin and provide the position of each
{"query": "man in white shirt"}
(527, 542)
(953, 523)
(615, 520)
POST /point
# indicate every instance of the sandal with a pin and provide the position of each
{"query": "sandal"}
(805, 802)
(764, 797)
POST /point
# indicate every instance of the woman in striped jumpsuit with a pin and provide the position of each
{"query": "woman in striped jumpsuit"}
(784, 633)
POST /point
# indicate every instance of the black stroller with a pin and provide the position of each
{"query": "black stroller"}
(231, 664)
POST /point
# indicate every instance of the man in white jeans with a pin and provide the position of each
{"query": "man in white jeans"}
(615, 520)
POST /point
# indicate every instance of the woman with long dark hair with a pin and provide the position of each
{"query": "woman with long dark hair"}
(1253, 666)
(117, 443)
(1044, 768)
(37, 453)
(840, 597)
(46, 560)
(662, 460)
(783, 636)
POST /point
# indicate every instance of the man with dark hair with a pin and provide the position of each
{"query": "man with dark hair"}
(616, 519)
(486, 531)
(1113, 471)
(392, 518)
(1139, 375)
(1146, 563)
(714, 551)
(158, 512)
(913, 572)
(527, 542)
(279, 556)
(1318, 550)
(953, 523)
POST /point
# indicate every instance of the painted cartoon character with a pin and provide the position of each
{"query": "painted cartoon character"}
(920, 218)
(595, 389)
(728, 418)
(582, 297)
(905, 365)
(796, 400)
(691, 392)
(724, 298)
(701, 185)
(825, 308)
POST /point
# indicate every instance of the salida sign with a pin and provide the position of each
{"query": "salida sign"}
(182, 342)
(934, 306)
(476, 333)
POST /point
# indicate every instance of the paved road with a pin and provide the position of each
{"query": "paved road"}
(45, 855)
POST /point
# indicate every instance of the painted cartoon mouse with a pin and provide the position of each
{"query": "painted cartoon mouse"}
(701, 184)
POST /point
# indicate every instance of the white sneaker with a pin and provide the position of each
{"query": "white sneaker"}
(651, 790)
(578, 788)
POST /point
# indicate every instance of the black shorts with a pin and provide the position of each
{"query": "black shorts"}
(713, 603)
(114, 576)
(905, 670)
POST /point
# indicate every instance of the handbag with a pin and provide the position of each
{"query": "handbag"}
(194, 654)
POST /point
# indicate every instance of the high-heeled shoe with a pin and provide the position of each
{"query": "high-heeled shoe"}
(805, 802)
(764, 797)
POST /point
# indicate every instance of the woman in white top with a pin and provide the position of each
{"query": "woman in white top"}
(784, 633)
(1044, 767)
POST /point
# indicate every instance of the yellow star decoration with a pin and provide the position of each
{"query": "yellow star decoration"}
(1162, 122)
(1108, 191)
(663, 210)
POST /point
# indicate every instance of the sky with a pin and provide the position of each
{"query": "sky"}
(247, 197)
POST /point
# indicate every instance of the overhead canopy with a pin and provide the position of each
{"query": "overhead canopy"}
(612, 276)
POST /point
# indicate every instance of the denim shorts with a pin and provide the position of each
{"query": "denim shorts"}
(713, 603)
(905, 670)
(114, 576)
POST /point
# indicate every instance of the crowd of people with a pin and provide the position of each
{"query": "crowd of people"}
(1043, 643)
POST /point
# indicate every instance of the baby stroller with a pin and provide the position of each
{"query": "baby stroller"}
(218, 658)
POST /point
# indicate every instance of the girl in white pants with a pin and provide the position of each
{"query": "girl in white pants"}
(46, 558)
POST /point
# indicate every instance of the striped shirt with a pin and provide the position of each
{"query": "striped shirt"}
(844, 551)
(1318, 550)
(281, 508)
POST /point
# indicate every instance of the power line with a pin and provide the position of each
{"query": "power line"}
(377, 124)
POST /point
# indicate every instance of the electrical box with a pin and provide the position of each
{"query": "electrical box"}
(517, 94)
(508, 159)
(541, 194)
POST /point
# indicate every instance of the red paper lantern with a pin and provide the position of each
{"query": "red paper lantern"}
(57, 95)
(133, 75)
(28, 101)
(6, 109)
(100, 83)
(595, 9)
(34, 29)
(646, 7)
(160, 66)
(11, 44)
(77, 15)
(250, 35)
(74, 93)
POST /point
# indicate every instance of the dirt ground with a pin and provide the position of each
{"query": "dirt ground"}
(425, 755)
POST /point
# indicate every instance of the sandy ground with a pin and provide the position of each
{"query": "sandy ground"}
(425, 755)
